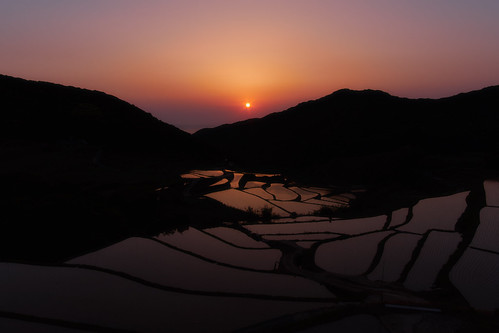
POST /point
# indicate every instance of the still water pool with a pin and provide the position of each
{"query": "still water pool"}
(288, 270)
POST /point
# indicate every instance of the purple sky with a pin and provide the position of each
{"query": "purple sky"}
(195, 64)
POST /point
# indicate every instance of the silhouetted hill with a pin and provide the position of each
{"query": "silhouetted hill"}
(45, 111)
(79, 169)
(370, 137)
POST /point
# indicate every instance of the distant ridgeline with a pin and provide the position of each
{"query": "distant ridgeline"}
(47, 111)
(370, 136)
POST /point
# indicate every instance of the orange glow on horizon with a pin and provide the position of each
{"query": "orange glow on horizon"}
(202, 65)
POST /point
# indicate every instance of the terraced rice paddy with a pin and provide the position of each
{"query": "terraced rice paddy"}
(413, 245)
(352, 256)
(259, 270)
(90, 299)
(196, 241)
(436, 252)
(397, 253)
(284, 200)
(436, 213)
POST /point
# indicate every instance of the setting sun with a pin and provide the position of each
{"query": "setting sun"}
(248, 105)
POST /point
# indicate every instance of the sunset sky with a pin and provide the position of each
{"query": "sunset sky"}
(196, 64)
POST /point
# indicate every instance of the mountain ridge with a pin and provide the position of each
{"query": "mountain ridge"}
(351, 127)
(348, 91)
(44, 110)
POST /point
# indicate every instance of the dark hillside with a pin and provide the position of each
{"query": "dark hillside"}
(79, 169)
(43, 111)
(370, 137)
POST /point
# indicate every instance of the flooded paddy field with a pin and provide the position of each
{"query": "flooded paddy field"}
(300, 266)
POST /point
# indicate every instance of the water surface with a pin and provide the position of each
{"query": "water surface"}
(241, 274)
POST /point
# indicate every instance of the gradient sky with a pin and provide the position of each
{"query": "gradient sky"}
(195, 64)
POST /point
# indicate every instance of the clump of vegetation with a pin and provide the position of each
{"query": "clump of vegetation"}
(325, 211)
(251, 211)
(264, 214)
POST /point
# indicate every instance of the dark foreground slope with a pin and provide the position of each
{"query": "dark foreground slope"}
(79, 168)
(370, 137)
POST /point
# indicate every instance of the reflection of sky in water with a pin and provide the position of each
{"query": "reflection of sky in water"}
(260, 192)
(281, 193)
(284, 201)
(202, 173)
(195, 241)
(305, 195)
(223, 276)
(351, 256)
(320, 190)
(87, 296)
(477, 271)
(437, 249)
(242, 200)
(235, 181)
(220, 182)
(297, 207)
(492, 192)
(476, 275)
(155, 262)
(349, 226)
(397, 253)
(412, 252)
(487, 234)
(236, 237)
(328, 203)
(399, 217)
(253, 184)
(298, 237)
(436, 213)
